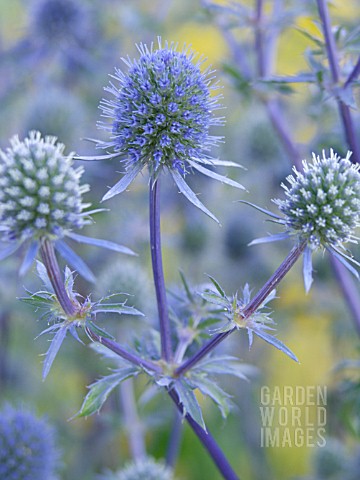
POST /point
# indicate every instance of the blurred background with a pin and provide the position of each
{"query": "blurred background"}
(55, 59)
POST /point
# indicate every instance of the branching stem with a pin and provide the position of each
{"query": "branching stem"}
(250, 309)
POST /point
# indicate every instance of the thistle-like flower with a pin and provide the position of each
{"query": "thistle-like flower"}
(322, 208)
(161, 116)
(41, 198)
(27, 446)
(146, 469)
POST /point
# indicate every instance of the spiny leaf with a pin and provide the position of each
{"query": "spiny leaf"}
(53, 350)
(97, 330)
(216, 176)
(276, 343)
(189, 402)
(186, 287)
(211, 389)
(101, 389)
(122, 185)
(115, 308)
(101, 243)
(189, 194)
(217, 286)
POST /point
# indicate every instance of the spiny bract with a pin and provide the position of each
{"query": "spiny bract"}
(162, 110)
(40, 191)
(323, 201)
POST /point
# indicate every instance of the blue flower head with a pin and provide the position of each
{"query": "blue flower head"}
(41, 198)
(27, 446)
(160, 117)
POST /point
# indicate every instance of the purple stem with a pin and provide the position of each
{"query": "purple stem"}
(259, 44)
(156, 258)
(55, 276)
(344, 110)
(250, 308)
(119, 350)
(208, 442)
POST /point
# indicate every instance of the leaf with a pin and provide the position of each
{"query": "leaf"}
(189, 194)
(41, 270)
(263, 210)
(215, 299)
(345, 94)
(186, 287)
(217, 286)
(307, 268)
(101, 243)
(115, 308)
(275, 343)
(189, 402)
(343, 259)
(101, 389)
(270, 238)
(7, 251)
(318, 41)
(69, 280)
(217, 163)
(97, 157)
(38, 301)
(75, 261)
(122, 185)
(211, 389)
(97, 330)
(53, 350)
(29, 258)
(216, 176)
(226, 365)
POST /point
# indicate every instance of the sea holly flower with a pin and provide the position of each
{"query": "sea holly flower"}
(27, 446)
(160, 118)
(41, 198)
(322, 207)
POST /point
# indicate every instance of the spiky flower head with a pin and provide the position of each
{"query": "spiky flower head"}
(162, 110)
(322, 209)
(323, 201)
(161, 117)
(41, 199)
(40, 195)
(27, 446)
(146, 469)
